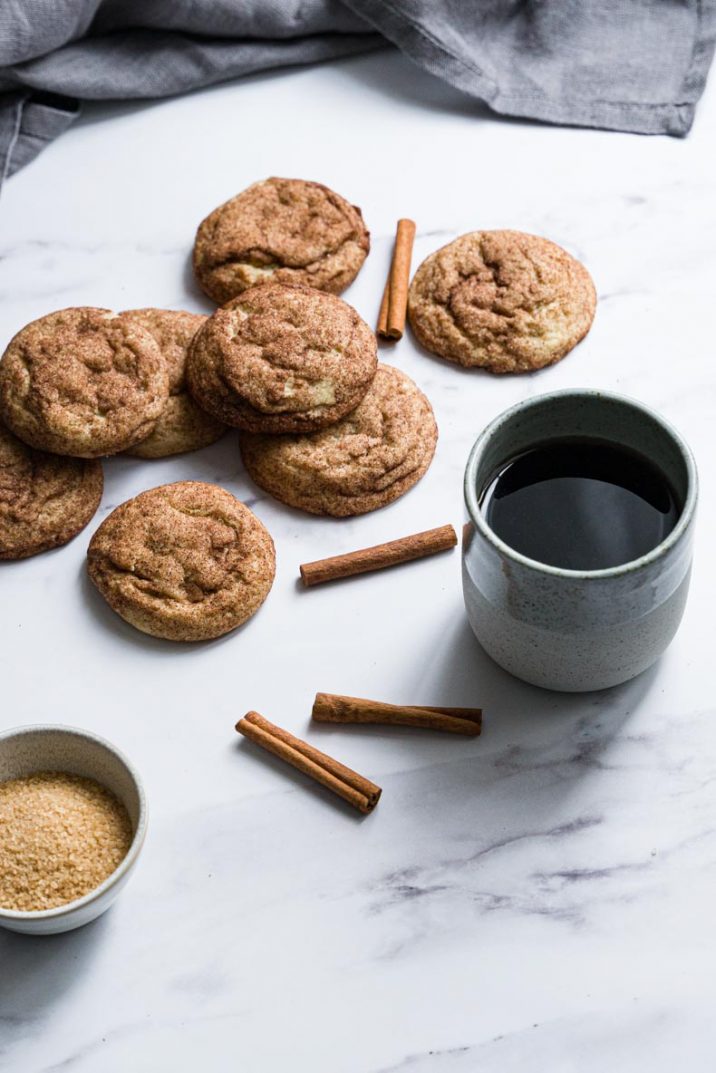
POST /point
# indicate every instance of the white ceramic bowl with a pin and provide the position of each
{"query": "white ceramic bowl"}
(25, 750)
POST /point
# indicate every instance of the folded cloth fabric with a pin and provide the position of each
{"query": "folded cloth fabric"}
(57, 53)
(634, 65)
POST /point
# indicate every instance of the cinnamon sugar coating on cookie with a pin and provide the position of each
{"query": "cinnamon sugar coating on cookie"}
(501, 300)
(182, 426)
(184, 561)
(83, 382)
(287, 230)
(282, 359)
(173, 331)
(45, 500)
(366, 460)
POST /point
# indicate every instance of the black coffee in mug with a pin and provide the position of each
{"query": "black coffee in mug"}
(580, 504)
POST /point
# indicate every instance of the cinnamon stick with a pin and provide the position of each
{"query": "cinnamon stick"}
(395, 552)
(391, 319)
(334, 708)
(353, 788)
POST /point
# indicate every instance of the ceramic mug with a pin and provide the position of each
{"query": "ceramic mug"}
(576, 630)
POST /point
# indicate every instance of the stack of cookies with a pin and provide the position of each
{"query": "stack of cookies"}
(185, 561)
(87, 383)
(287, 362)
(323, 426)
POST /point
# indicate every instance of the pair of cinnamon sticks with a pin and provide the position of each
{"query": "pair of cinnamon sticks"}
(352, 787)
(358, 791)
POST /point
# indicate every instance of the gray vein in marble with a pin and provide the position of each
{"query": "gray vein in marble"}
(412, 1061)
(91, 248)
(143, 1028)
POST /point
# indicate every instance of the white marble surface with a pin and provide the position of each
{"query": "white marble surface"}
(540, 898)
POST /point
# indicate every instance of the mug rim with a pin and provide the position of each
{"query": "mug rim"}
(655, 553)
(135, 846)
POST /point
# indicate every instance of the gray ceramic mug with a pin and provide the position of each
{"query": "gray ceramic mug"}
(576, 630)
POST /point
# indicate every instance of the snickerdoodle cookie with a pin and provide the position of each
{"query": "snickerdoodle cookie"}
(282, 358)
(45, 500)
(287, 230)
(182, 425)
(363, 462)
(83, 382)
(502, 300)
(184, 561)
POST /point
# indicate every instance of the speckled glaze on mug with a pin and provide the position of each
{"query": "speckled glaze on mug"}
(574, 630)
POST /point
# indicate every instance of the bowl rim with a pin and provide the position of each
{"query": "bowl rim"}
(136, 844)
(480, 522)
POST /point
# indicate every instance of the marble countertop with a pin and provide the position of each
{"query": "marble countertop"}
(540, 898)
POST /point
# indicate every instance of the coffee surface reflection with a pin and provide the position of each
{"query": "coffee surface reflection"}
(580, 504)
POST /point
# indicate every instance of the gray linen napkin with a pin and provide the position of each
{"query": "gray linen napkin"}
(633, 65)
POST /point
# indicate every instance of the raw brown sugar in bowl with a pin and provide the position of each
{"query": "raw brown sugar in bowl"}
(61, 836)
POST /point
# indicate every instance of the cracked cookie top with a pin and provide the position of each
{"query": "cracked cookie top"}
(287, 230)
(501, 300)
(184, 561)
(282, 358)
(366, 460)
(45, 500)
(182, 425)
(84, 382)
